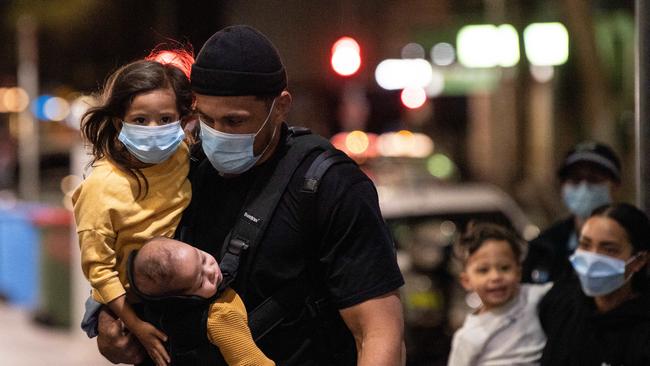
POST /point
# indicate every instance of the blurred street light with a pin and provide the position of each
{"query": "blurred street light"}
(413, 98)
(547, 44)
(487, 45)
(346, 56)
(394, 74)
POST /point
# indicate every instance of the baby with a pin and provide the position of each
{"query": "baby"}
(167, 267)
(505, 330)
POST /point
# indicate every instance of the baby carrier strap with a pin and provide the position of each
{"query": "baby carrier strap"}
(262, 200)
(258, 210)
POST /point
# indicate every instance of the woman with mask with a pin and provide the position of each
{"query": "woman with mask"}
(603, 316)
(589, 176)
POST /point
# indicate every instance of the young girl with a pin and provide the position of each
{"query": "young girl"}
(505, 330)
(138, 187)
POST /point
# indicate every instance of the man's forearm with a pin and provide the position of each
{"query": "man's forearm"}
(381, 350)
(378, 329)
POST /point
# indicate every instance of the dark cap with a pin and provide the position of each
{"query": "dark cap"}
(238, 60)
(595, 153)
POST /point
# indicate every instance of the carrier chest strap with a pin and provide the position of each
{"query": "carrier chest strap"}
(262, 201)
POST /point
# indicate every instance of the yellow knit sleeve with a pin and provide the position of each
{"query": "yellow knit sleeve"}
(98, 263)
(97, 233)
(228, 330)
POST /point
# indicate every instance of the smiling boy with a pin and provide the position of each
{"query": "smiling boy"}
(505, 329)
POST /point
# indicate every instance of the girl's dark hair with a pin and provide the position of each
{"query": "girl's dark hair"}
(478, 233)
(99, 125)
(637, 227)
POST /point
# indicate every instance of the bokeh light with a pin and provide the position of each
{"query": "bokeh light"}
(404, 144)
(542, 74)
(357, 142)
(547, 44)
(346, 56)
(413, 98)
(78, 107)
(56, 109)
(413, 50)
(443, 54)
(487, 45)
(14, 99)
(440, 166)
(394, 74)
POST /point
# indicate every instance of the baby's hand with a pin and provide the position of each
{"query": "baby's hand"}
(152, 339)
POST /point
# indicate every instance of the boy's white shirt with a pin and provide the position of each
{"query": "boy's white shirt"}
(508, 335)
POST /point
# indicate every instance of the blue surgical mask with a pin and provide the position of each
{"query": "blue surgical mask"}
(583, 198)
(152, 144)
(232, 153)
(599, 274)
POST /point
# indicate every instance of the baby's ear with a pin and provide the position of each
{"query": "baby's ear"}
(464, 281)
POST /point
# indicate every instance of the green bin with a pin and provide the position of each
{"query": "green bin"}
(54, 227)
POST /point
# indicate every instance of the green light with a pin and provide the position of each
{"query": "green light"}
(547, 44)
(440, 166)
(487, 45)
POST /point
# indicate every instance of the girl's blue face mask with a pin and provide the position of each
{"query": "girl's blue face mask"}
(232, 153)
(599, 274)
(152, 144)
(581, 199)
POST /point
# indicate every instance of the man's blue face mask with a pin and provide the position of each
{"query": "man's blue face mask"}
(232, 153)
(582, 198)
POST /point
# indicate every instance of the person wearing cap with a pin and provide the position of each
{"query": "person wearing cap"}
(589, 176)
(336, 244)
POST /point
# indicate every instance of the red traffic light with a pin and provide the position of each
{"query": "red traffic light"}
(346, 56)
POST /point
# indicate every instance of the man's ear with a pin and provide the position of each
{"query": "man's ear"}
(283, 106)
(464, 281)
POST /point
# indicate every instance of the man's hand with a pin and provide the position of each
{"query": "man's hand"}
(115, 342)
(152, 339)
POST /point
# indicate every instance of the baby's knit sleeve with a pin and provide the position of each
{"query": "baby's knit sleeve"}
(228, 330)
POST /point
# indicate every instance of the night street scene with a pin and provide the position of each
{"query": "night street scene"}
(417, 182)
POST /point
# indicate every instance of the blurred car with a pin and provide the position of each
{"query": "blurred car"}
(425, 220)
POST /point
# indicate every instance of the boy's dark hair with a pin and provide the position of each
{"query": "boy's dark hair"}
(98, 124)
(478, 233)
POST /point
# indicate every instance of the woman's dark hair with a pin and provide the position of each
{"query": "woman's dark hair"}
(99, 125)
(477, 234)
(637, 227)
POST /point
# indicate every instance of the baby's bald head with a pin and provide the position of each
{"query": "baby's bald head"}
(154, 266)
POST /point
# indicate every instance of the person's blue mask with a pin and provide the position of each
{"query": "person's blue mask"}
(152, 144)
(232, 153)
(599, 274)
(581, 199)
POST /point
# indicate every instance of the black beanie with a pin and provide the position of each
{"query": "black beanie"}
(238, 60)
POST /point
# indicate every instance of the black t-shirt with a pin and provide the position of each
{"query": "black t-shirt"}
(548, 255)
(336, 242)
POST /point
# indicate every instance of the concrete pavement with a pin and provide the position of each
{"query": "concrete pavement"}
(24, 343)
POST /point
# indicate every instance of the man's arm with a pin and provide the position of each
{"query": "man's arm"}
(378, 328)
(115, 342)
